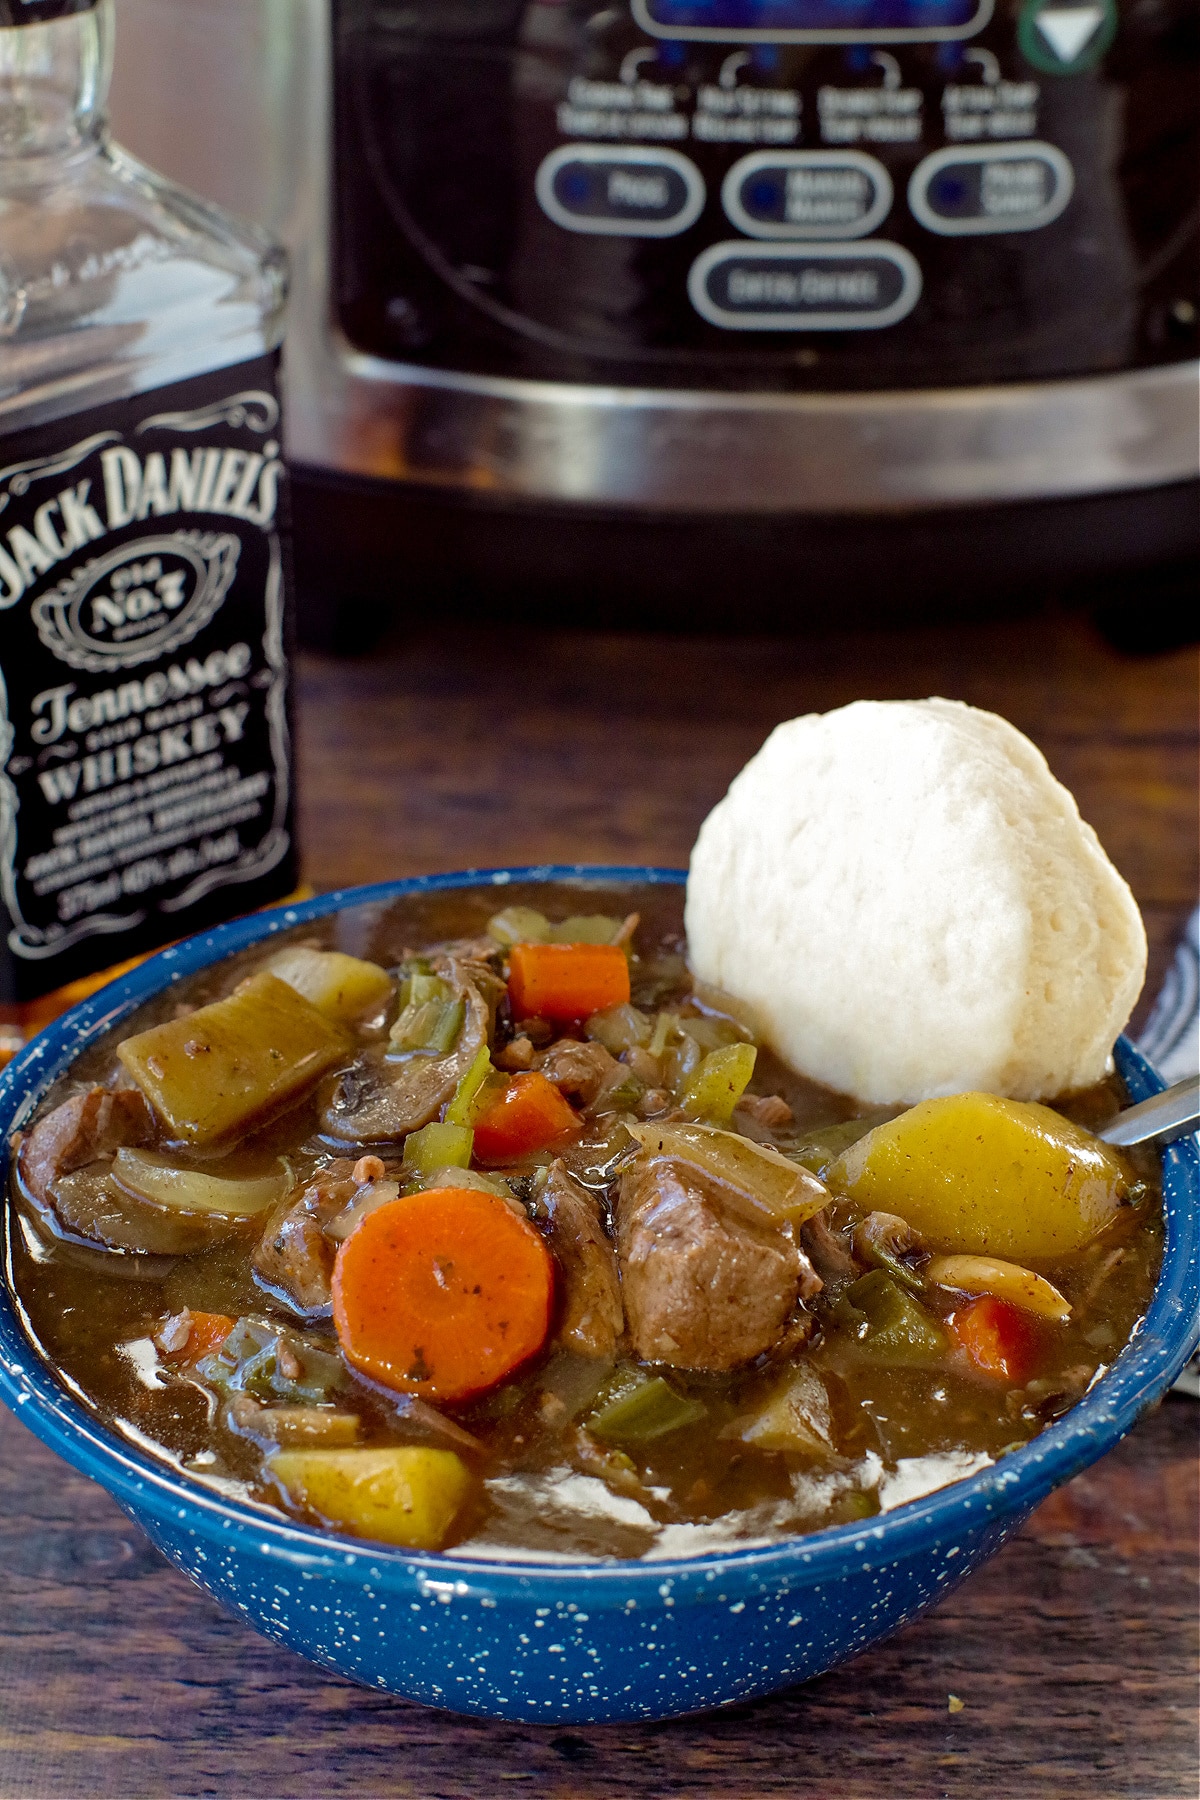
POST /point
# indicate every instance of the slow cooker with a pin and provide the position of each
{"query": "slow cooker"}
(874, 291)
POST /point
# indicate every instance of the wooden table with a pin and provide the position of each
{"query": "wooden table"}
(1074, 1651)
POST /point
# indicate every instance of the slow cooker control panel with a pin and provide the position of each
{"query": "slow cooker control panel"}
(789, 193)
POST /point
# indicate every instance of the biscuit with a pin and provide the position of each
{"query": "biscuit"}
(909, 904)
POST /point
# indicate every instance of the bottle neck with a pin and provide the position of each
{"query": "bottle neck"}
(54, 84)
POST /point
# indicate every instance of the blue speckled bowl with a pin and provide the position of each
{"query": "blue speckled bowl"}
(585, 1642)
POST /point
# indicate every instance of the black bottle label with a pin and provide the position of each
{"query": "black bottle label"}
(145, 750)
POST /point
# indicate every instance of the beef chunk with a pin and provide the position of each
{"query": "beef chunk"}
(593, 1316)
(294, 1258)
(703, 1288)
(589, 1075)
(828, 1249)
(84, 1129)
(581, 1071)
(771, 1110)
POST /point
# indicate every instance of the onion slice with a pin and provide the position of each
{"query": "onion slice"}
(770, 1188)
(1006, 1280)
(156, 1178)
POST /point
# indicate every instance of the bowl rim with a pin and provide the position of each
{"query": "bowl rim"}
(143, 1484)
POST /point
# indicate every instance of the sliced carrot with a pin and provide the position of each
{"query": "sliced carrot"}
(208, 1332)
(1001, 1340)
(566, 981)
(442, 1293)
(528, 1114)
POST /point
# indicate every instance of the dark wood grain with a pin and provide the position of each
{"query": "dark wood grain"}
(1074, 1651)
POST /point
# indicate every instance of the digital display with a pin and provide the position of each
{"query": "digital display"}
(812, 21)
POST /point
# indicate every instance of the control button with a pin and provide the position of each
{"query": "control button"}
(807, 194)
(820, 287)
(1004, 187)
(620, 192)
(1065, 37)
(772, 22)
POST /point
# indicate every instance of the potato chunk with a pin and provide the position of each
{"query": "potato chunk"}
(986, 1176)
(228, 1065)
(796, 1416)
(344, 988)
(408, 1496)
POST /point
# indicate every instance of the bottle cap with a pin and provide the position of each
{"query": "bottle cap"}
(41, 12)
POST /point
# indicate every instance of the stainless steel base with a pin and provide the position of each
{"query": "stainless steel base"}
(680, 452)
(262, 67)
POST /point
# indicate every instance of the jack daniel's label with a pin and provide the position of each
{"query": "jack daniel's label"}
(145, 756)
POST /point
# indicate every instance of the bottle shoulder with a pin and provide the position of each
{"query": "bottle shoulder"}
(114, 279)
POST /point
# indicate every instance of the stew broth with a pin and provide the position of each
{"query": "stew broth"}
(869, 1391)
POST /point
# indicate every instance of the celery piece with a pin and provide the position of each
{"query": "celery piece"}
(519, 925)
(230, 1064)
(649, 1410)
(817, 1149)
(248, 1362)
(719, 1083)
(470, 1095)
(585, 928)
(438, 1146)
(431, 1019)
(897, 1329)
(619, 1028)
(412, 965)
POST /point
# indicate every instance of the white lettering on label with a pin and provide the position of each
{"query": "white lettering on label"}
(159, 750)
(233, 483)
(55, 712)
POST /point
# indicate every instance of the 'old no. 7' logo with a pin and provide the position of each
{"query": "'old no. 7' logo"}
(138, 602)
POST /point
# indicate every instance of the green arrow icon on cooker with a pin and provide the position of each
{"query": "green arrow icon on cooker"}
(1061, 39)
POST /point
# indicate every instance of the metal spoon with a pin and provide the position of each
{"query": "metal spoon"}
(1171, 1114)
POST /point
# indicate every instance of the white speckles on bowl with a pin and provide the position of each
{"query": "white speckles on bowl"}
(585, 1642)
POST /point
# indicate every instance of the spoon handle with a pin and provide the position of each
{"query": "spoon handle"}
(1171, 1114)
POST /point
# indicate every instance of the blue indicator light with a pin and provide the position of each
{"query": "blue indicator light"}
(950, 193)
(575, 186)
(763, 197)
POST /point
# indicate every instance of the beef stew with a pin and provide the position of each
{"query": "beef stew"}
(483, 1228)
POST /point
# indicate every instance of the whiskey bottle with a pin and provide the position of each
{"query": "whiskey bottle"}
(145, 752)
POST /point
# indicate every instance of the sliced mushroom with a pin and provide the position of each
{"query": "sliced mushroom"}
(886, 1241)
(379, 1100)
